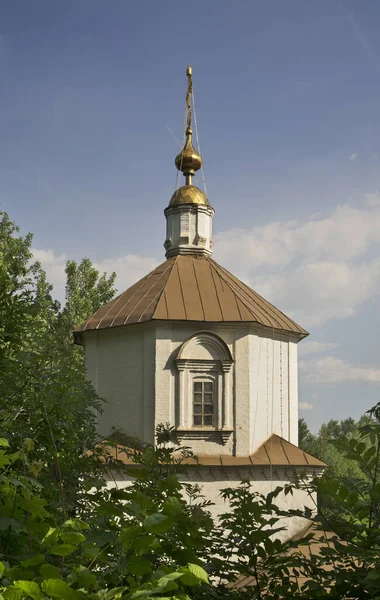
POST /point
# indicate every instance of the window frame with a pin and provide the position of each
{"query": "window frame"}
(203, 380)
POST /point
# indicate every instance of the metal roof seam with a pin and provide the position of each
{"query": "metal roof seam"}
(157, 297)
(240, 292)
(261, 300)
(181, 288)
(267, 453)
(252, 297)
(284, 451)
(199, 291)
(216, 291)
(114, 302)
(142, 298)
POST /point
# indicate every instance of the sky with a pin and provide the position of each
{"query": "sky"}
(288, 103)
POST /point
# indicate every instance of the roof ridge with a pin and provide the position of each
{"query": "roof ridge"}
(145, 279)
(242, 291)
(198, 290)
(114, 301)
(262, 300)
(240, 294)
(222, 283)
(159, 294)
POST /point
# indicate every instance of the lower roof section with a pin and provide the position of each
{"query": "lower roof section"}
(275, 452)
(190, 288)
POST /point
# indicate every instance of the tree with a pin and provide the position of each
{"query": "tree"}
(140, 543)
(323, 446)
(44, 394)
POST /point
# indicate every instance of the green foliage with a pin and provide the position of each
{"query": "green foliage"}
(325, 446)
(146, 541)
(143, 542)
(64, 535)
(44, 395)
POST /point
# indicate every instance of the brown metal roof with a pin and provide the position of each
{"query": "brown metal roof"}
(275, 452)
(190, 288)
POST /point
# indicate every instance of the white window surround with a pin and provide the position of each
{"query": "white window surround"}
(205, 356)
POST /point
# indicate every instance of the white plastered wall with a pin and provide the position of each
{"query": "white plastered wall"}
(188, 229)
(134, 369)
(169, 339)
(120, 364)
(273, 388)
(212, 480)
(265, 384)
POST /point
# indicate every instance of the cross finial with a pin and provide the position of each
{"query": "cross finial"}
(189, 74)
(188, 160)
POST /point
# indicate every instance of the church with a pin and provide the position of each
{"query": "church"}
(192, 346)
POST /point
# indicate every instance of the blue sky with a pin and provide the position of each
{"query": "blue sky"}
(288, 97)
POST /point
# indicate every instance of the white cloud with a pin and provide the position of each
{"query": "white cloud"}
(315, 269)
(129, 269)
(54, 265)
(311, 347)
(334, 370)
(305, 406)
(353, 156)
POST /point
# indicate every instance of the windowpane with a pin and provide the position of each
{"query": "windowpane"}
(203, 403)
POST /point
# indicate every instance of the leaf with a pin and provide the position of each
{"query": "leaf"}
(28, 444)
(139, 566)
(50, 571)
(2, 568)
(75, 524)
(4, 459)
(167, 582)
(4, 442)
(30, 588)
(56, 588)
(198, 572)
(51, 536)
(85, 578)
(36, 467)
(373, 575)
(172, 506)
(35, 560)
(63, 549)
(363, 512)
(158, 523)
(143, 543)
(15, 573)
(131, 532)
(13, 593)
(6, 522)
(72, 537)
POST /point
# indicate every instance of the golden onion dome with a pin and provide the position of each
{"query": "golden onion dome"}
(188, 194)
(188, 160)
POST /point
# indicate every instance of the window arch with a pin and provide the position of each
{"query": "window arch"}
(204, 364)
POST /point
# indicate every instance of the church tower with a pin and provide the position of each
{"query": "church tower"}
(191, 345)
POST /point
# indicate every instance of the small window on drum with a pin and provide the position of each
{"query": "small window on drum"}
(203, 403)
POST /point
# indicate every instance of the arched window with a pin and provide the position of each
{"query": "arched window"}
(204, 364)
